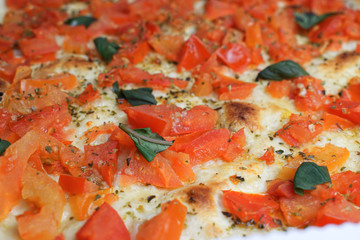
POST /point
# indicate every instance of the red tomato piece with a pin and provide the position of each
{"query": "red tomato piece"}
(261, 208)
(66, 81)
(351, 93)
(48, 120)
(103, 157)
(235, 147)
(229, 89)
(156, 117)
(253, 35)
(309, 94)
(76, 185)
(38, 46)
(166, 225)
(105, 223)
(279, 89)
(345, 109)
(167, 45)
(337, 211)
(281, 189)
(235, 55)
(300, 129)
(216, 9)
(180, 163)
(269, 156)
(210, 145)
(336, 123)
(88, 95)
(199, 118)
(348, 184)
(193, 53)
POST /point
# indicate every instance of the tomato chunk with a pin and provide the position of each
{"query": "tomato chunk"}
(88, 95)
(105, 223)
(66, 81)
(166, 225)
(193, 53)
(236, 56)
(76, 185)
(345, 109)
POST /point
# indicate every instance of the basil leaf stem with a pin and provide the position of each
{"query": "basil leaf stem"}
(286, 69)
(81, 20)
(307, 20)
(308, 175)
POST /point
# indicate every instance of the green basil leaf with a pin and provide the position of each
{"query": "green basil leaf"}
(286, 69)
(136, 97)
(308, 175)
(3, 146)
(307, 20)
(81, 20)
(148, 143)
(105, 48)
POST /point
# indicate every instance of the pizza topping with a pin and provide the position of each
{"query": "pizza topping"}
(81, 20)
(307, 20)
(148, 143)
(105, 48)
(3, 146)
(136, 97)
(308, 175)
(286, 69)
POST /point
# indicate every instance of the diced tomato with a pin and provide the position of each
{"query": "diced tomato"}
(166, 225)
(253, 35)
(167, 45)
(103, 157)
(300, 211)
(157, 117)
(336, 211)
(193, 53)
(136, 52)
(348, 184)
(109, 78)
(309, 94)
(216, 9)
(181, 142)
(76, 185)
(66, 81)
(147, 9)
(199, 118)
(202, 85)
(269, 156)
(84, 205)
(299, 130)
(351, 92)
(42, 223)
(336, 123)
(210, 145)
(229, 89)
(281, 189)
(72, 159)
(88, 95)
(345, 109)
(235, 147)
(94, 132)
(329, 28)
(180, 163)
(242, 18)
(235, 55)
(157, 173)
(323, 6)
(279, 89)
(48, 120)
(260, 208)
(157, 81)
(122, 138)
(38, 46)
(105, 223)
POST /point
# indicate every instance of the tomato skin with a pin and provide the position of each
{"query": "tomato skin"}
(167, 45)
(157, 117)
(103, 157)
(76, 185)
(345, 109)
(314, 96)
(199, 118)
(229, 88)
(348, 184)
(193, 53)
(336, 123)
(45, 223)
(279, 89)
(351, 93)
(37, 46)
(180, 163)
(105, 223)
(253, 35)
(48, 120)
(66, 81)
(297, 132)
(260, 208)
(210, 145)
(216, 9)
(89, 95)
(235, 147)
(235, 55)
(281, 189)
(166, 225)
(269, 156)
(337, 211)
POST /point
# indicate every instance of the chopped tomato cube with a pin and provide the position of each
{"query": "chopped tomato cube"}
(193, 53)
(88, 95)
(76, 185)
(345, 109)
(235, 55)
(269, 156)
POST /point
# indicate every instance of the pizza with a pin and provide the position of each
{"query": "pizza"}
(165, 119)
